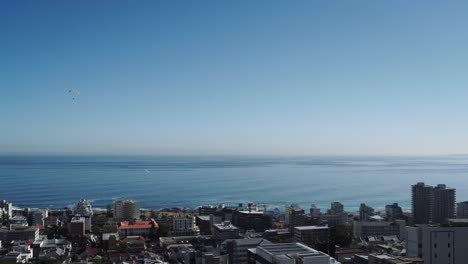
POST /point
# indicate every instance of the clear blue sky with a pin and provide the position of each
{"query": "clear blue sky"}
(234, 77)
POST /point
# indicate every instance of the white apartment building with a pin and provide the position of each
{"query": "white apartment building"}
(126, 210)
(438, 245)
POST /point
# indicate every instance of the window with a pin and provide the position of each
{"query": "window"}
(448, 245)
(435, 245)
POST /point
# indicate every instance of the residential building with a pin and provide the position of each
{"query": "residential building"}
(312, 236)
(18, 232)
(216, 218)
(334, 219)
(137, 228)
(393, 212)
(365, 229)
(203, 223)
(422, 198)
(44, 248)
(184, 226)
(296, 218)
(237, 248)
(83, 209)
(443, 203)
(251, 220)
(126, 210)
(77, 226)
(365, 212)
(6, 209)
(37, 216)
(18, 222)
(206, 210)
(52, 221)
(224, 231)
(287, 253)
(462, 210)
(314, 210)
(435, 244)
(336, 208)
(288, 210)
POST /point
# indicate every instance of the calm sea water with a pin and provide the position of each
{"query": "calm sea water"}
(159, 182)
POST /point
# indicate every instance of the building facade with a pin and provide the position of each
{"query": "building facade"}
(393, 212)
(443, 204)
(436, 244)
(83, 209)
(126, 210)
(237, 248)
(365, 212)
(224, 231)
(312, 236)
(421, 202)
(296, 218)
(184, 226)
(137, 228)
(251, 220)
(462, 210)
(365, 229)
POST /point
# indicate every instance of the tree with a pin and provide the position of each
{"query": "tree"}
(341, 235)
(153, 234)
(163, 230)
(109, 211)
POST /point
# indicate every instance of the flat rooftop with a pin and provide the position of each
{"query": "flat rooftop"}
(288, 248)
(251, 212)
(223, 226)
(204, 217)
(311, 228)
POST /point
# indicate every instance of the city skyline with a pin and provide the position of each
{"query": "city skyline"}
(240, 78)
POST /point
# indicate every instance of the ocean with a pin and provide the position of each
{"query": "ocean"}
(188, 182)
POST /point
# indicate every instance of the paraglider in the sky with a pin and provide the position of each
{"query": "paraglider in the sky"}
(74, 93)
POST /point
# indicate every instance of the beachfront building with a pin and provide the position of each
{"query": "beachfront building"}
(84, 210)
(462, 210)
(421, 203)
(126, 210)
(443, 204)
(6, 209)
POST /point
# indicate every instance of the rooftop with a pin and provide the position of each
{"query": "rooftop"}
(138, 224)
(251, 212)
(288, 248)
(250, 241)
(225, 226)
(311, 227)
(204, 217)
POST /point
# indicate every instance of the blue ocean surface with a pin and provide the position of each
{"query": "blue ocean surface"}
(161, 182)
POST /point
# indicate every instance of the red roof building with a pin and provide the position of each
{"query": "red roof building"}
(138, 228)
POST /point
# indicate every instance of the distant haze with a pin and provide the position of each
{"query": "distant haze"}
(234, 78)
